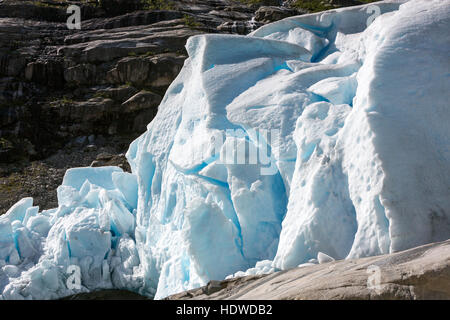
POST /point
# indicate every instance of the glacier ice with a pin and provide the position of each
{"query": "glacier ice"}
(324, 258)
(323, 135)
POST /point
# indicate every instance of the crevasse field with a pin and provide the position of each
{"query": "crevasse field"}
(327, 133)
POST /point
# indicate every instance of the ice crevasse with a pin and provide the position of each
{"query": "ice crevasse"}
(323, 133)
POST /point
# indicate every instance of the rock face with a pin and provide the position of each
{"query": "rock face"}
(270, 14)
(419, 273)
(71, 84)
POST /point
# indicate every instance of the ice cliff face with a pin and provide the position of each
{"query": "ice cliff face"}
(314, 134)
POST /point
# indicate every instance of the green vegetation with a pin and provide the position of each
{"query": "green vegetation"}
(43, 4)
(157, 5)
(10, 185)
(52, 4)
(190, 21)
(5, 144)
(102, 95)
(310, 5)
(146, 54)
(317, 5)
(251, 2)
(65, 100)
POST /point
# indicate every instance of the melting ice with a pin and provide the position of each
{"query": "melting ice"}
(362, 162)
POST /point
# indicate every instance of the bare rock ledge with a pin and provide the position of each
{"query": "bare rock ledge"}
(418, 273)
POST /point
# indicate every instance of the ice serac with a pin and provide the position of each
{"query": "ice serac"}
(84, 244)
(399, 164)
(323, 135)
(373, 179)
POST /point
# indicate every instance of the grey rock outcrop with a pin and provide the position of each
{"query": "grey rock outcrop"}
(268, 14)
(418, 273)
(57, 84)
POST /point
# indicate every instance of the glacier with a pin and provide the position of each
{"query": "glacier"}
(322, 135)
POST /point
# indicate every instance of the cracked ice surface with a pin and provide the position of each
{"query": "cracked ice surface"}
(349, 125)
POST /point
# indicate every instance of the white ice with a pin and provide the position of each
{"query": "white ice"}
(318, 137)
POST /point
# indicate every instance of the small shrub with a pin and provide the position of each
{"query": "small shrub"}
(310, 5)
(316, 5)
(190, 21)
(157, 5)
